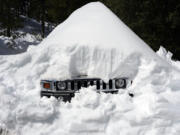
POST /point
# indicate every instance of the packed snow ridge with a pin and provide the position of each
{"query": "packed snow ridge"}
(92, 41)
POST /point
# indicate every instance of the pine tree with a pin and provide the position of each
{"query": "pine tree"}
(9, 15)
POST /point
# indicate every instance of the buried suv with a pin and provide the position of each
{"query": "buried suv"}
(67, 88)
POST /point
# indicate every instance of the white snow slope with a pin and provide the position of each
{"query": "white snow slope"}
(92, 41)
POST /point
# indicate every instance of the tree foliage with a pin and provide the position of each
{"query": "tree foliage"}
(9, 15)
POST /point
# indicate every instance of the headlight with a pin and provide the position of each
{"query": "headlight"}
(120, 83)
(61, 85)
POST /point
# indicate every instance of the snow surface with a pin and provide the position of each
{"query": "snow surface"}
(95, 42)
(10, 46)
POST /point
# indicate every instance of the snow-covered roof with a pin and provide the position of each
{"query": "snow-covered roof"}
(99, 44)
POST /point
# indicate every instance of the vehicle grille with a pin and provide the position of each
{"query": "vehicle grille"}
(78, 84)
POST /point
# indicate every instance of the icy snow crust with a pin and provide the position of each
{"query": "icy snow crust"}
(100, 46)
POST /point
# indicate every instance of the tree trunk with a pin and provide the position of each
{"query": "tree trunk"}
(8, 29)
(43, 18)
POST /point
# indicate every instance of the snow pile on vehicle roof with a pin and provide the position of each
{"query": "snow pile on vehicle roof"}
(153, 110)
(96, 43)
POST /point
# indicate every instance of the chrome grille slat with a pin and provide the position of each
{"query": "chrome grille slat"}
(113, 84)
(75, 86)
(69, 85)
(107, 86)
(101, 84)
(94, 82)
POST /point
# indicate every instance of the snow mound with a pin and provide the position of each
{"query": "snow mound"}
(107, 49)
(97, 44)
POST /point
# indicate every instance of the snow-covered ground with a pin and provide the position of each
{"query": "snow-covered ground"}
(92, 41)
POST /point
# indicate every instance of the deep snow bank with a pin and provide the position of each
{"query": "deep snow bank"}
(153, 110)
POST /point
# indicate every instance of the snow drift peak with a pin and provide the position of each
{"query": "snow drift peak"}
(95, 38)
(95, 25)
